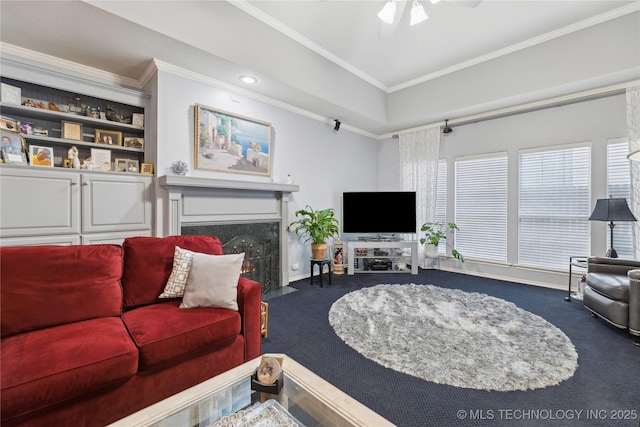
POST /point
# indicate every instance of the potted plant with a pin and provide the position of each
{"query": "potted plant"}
(315, 226)
(434, 233)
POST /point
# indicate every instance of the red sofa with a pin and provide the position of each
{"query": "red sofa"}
(86, 341)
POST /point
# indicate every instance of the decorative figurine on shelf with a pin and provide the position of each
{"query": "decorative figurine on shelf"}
(123, 119)
(179, 168)
(74, 160)
(88, 164)
(75, 106)
(111, 114)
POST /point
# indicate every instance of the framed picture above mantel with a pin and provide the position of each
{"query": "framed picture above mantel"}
(227, 142)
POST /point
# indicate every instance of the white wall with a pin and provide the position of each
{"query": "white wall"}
(594, 121)
(323, 162)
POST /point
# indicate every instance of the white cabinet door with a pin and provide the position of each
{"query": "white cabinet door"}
(113, 202)
(38, 202)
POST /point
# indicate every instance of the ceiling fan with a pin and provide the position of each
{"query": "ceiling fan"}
(396, 8)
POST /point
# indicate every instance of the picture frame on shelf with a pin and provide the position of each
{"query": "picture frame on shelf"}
(146, 169)
(9, 124)
(121, 165)
(40, 131)
(13, 142)
(133, 166)
(41, 156)
(134, 142)
(137, 120)
(71, 130)
(10, 94)
(14, 158)
(26, 128)
(101, 159)
(108, 137)
(227, 142)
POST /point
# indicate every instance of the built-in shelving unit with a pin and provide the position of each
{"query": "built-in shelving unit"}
(62, 205)
(33, 120)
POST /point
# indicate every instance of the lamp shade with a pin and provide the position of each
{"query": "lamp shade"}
(388, 12)
(634, 155)
(612, 210)
(417, 13)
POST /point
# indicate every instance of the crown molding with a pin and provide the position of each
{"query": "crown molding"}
(68, 67)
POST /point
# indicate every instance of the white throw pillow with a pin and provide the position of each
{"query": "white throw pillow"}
(213, 281)
(177, 281)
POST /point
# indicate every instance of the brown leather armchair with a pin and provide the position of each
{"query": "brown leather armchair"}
(613, 292)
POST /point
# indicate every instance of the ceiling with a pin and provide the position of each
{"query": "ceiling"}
(320, 56)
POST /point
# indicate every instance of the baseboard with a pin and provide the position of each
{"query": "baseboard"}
(507, 279)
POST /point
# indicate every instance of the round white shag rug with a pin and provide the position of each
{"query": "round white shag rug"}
(448, 336)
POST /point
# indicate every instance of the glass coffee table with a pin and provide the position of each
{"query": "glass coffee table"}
(305, 399)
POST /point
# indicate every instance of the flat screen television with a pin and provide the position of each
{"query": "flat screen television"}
(379, 212)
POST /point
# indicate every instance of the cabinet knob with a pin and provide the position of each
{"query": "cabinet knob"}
(73, 183)
(84, 184)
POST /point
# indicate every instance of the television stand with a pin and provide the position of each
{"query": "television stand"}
(379, 238)
(382, 257)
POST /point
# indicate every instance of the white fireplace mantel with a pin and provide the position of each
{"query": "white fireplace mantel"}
(193, 201)
(191, 182)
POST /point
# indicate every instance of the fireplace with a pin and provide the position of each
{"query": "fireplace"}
(259, 243)
(249, 217)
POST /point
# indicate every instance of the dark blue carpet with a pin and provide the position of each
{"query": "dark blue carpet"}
(605, 388)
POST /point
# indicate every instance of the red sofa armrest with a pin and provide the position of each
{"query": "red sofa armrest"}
(249, 298)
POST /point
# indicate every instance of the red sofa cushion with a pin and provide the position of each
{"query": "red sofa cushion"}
(53, 365)
(163, 332)
(149, 261)
(44, 286)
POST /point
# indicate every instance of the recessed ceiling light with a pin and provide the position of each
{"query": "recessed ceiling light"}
(250, 80)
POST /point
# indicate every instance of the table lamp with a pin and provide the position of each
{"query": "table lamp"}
(612, 210)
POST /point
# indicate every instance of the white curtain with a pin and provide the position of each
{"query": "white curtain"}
(633, 127)
(419, 153)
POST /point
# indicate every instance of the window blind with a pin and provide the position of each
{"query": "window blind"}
(481, 207)
(619, 185)
(441, 200)
(553, 205)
